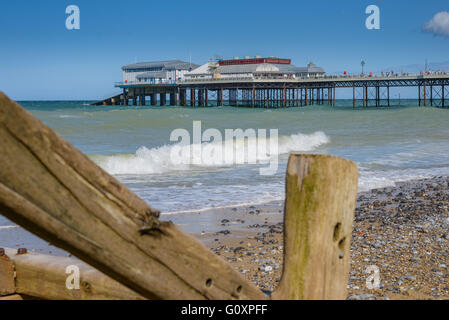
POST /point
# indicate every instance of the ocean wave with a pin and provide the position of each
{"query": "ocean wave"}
(8, 227)
(369, 179)
(162, 160)
(68, 116)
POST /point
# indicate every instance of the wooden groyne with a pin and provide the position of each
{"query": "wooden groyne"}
(27, 274)
(53, 190)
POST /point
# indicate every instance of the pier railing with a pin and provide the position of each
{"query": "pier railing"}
(325, 78)
(56, 192)
(149, 82)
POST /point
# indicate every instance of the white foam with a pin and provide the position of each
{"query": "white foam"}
(7, 227)
(68, 116)
(158, 160)
(381, 179)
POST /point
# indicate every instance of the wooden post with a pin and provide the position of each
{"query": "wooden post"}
(320, 202)
(7, 282)
(69, 201)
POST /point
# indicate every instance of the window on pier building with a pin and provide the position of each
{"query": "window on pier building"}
(144, 69)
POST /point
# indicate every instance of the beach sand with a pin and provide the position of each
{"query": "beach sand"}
(402, 230)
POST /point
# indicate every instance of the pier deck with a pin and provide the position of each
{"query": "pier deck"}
(268, 92)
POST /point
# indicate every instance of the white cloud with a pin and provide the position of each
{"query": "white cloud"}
(438, 25)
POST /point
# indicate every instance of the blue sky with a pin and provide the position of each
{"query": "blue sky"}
(41, 60)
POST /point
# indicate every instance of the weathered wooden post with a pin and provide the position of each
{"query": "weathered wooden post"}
(7, 283)
(319, 210)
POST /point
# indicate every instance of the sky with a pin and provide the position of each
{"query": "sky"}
(40, 59)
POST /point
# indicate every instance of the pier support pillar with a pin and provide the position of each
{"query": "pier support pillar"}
(283, 98)
(125, 98)
(192, 97)
(431, 95)
(173, 100)
(424, 95)
(333, 96)
(419, 95)
(237, 97)
(254, 97)
(153, 99)
(182, 97)
(365, 96)
(134, 97)
(442, 96)
(200, 97)
(268, 98)
(377, 96)
(163, 99)
(353, 96)
(388, 95)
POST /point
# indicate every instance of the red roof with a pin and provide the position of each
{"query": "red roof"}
(253, 61)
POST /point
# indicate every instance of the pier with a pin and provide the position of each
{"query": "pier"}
(266, 83)
(432, 90)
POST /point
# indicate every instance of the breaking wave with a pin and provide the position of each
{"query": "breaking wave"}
(161, 160)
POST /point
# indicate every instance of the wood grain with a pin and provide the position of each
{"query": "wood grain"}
(320, 202)
(45, 277)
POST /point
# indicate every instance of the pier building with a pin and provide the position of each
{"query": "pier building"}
(168, 71)
(265, 83)
(254, 68)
